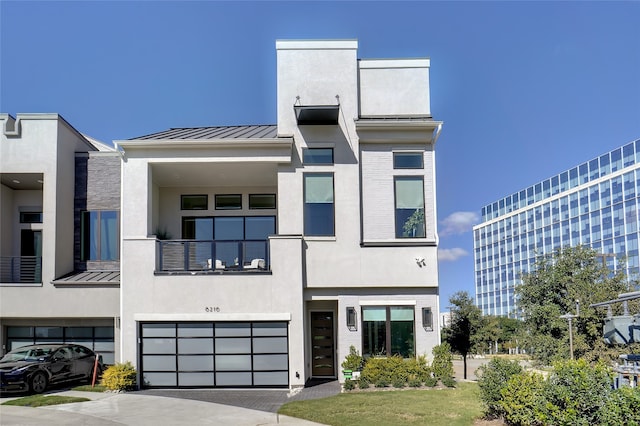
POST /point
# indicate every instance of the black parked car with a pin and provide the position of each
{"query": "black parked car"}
(32, 368)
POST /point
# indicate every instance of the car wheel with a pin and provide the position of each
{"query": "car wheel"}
(38, 382)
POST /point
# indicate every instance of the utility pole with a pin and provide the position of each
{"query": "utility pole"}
(569, 318)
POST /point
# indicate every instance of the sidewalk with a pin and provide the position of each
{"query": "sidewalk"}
(109, 409)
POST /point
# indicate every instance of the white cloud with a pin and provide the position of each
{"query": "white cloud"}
(458, 223)
(450, 255)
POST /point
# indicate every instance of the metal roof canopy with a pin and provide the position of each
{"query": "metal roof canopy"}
(317, 114)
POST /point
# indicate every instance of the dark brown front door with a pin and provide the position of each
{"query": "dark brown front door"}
(322, 351)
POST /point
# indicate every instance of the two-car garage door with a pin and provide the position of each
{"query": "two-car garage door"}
(214, 354)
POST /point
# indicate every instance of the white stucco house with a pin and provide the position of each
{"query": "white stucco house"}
(56, 284)
(255, 256)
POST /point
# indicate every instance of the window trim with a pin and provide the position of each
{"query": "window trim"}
(85, 255)
(395, 208)
(308, 149)
(231, 207)
(275, 201)
(408, 153)
(184, 196)
(333, 203)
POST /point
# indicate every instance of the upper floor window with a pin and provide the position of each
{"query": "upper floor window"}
(408, 160)
(317, 155)
(228, 201)
(409, 207)
(30, 217)
(262, 201)
(319, 217)
(194, 202)
(99, 235)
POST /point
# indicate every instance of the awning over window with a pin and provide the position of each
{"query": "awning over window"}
(317, 114)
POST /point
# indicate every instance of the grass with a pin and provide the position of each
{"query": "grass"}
(41, 400)
(88, 388)
(453, 406)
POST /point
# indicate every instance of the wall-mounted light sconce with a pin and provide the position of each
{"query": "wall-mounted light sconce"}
(421, 262)
(427, 319)
(352, 318)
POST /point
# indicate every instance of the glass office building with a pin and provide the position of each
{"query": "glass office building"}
(593, 204)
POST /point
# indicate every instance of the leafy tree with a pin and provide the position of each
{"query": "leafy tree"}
(497, 330)
(466, 322)
(551, 290)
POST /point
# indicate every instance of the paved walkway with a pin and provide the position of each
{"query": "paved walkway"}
(168, 407)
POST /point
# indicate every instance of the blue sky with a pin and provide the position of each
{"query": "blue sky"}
(525, 89)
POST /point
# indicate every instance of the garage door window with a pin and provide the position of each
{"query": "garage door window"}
(241, 354)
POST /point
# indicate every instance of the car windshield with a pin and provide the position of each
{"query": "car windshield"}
(31, 354)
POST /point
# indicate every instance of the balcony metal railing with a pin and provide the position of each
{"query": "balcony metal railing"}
(212, 255)
(21, 269)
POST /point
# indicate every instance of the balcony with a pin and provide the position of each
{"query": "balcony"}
(21, 269)
(193, 256)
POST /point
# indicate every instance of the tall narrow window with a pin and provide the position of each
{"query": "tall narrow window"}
(409, 207)
(99, 235)
(318, 204)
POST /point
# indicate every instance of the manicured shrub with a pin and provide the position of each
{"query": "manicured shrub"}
(363, 383)
(353, 361)
(442, 365)
(492, 378)
(120, 377)
(398, 383)
(349, 385)
(415, 383)
(522, 400)
(431, 381)
(448, 382)
(417, 369)
(386, 370)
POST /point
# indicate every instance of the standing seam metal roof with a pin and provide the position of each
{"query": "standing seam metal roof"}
(219, 132)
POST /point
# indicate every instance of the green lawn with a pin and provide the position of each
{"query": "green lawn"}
(41, 400)
(459, 406)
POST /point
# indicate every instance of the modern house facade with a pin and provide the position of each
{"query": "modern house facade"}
(593, 204)
(59, 193)
(256, 256)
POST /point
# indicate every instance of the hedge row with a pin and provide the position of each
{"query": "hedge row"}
(574, 393)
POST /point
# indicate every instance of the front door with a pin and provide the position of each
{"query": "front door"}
(30, 255)
(322, 347)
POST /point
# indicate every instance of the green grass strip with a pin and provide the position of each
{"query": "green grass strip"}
(41, 400)
(454, 406)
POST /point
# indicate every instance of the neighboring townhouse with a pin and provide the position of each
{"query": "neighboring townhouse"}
(257, 255)
(59, 235)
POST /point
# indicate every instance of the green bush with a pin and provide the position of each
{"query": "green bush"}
(492, 378)
(353, 361)
(363, 383)
(448, 382)
(349, 385)
(431, 381)
(522, 400)
(417, 369)
(622, 408)
(385, 370)
(415, 383)
(120, 377)
(575, 391)
(398, 383)
(442, 365)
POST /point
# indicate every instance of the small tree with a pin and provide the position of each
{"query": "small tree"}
(466, 322)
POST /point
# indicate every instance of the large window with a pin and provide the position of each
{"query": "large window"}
(99, 235)
(409, 207)
(237, 238)
(319, 215)
(388, 331)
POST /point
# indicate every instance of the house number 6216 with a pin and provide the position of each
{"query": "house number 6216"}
(211, 309)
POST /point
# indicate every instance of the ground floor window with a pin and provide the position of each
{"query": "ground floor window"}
(98, 339)
(387, 331)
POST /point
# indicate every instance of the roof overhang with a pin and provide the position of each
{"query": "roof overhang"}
(401, 130)
(317, 114)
